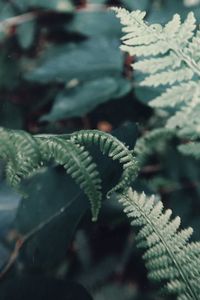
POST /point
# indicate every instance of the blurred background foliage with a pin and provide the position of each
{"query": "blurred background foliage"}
(61, 70)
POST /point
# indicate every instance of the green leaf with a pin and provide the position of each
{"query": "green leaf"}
(58, 5)
(9, 70)
(9, 202)
(190, 149)
(98, 2)
(4, 255)
(83, 98)
(88, 60)
(135, 4)
(10, 115)
(25, 34)
(49, 192)
(6, 11)
(40, 287)
(88, 23)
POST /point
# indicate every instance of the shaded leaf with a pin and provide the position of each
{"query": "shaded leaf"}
(58, 5)
(50, 192)
(9, 202)
(25, 33)
(40, 288)
(134, 4)
(88, 60)
(88, 23)
(82, 99)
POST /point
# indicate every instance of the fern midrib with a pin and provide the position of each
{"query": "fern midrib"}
(83, 169)
(111, 138)
(190, 62)
(12, 155)
(176, 263)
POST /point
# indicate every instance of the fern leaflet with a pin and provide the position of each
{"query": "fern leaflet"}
(170, 57)
(24, 154)
(78, 164)
(169, 255)
(111, 146)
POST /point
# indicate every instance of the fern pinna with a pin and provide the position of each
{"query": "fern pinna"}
(24, 154)
(170, 58)
(169, 255)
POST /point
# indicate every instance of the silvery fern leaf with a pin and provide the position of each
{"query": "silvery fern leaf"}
(169, 256)
(168, 56)
(154, 140)
(190, 149)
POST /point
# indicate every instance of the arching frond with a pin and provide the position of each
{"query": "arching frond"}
(113, 148)
(78, 164)
(153, 140)
(21, 154)
(169, 256)
(190, 149)
(24, 154)
(27, 155)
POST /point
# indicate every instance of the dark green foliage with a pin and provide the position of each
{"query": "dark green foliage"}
(24, 154)
(79, 164)
(43, 288)
(115, 150)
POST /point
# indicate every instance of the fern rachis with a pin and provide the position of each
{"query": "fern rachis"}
(116, 150)
(169, 57)
(79, 164)
(24, 153)
(169, 256)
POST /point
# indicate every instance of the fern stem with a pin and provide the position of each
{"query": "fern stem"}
(190, 62)
(46, 136)
(191, 292)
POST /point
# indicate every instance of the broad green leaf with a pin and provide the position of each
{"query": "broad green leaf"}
(95, 23)
(6, 11)
(98, 2)
(40, 287)
(4, 255)
(10, 115)
(9, 70)
(58, 5)
(25, 34)
(135, 4)
(83, 61)
(9, 202)
(83, 98)
(49, 192)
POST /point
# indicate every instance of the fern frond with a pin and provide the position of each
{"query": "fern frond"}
(7, 152)
(155, 139)
(24, 154)
(27, 156)
(20, 153)
(190, 149)
(78, 164)
(169, 256)
(178, 94)
(169, 56)
(116, 150)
